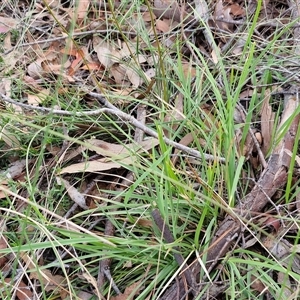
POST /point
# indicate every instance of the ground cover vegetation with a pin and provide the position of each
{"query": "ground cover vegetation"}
(149, 149)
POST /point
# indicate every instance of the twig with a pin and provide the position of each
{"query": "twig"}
(113, 110)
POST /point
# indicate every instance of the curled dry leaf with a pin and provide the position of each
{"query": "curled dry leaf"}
(270, 222)
(267, 122)
(77, 197)
(119, 73)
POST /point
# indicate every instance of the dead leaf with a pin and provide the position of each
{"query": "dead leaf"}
(267, 122)
(129, 292)
(188, 70)
(11, 60)
(223, 13)
(286, 286)
(237, 10)
(16, 168)
(23, 291)
(270, 222)
(104, 51)
(9, 138)
(119, 151)
(119, 73)
(246, 93)
(282, 250)
(163, 25)
(35, 69)
(50, 282)
(7, 24)
(3, 245)
(257, 284)
(73, 193)
(134, 77)
(82, 9)
(84, 295)
(170, 9)
(95, 166)
(36, 99)
(186, 140)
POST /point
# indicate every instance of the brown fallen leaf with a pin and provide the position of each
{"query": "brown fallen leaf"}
(7, 24)
(129, 292)
(163, 25)
(170, 9)
(133, 76)
(36, 99)
(3, 245)
(81, 10)
(119, 74)
(104, 51)
(50, 282)
(257, 284)
(118, 151)
(267, 122)
(23, 292)
(73, 193)
(121, 154)
(281, 248)
(237, 10)
(98, 165)
(9, 138)
(223, 13)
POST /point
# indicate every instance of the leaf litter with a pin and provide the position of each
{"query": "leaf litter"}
(115, 59)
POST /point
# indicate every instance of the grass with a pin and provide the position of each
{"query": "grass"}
(191, 196)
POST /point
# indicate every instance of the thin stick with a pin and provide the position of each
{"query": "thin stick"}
(113, 110)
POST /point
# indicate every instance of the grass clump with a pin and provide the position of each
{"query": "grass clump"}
(82, 194)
